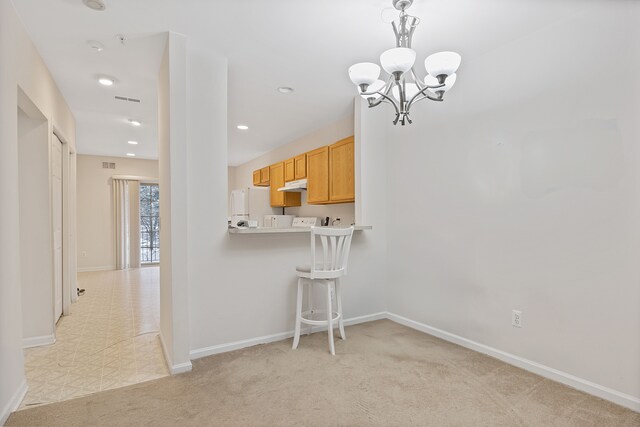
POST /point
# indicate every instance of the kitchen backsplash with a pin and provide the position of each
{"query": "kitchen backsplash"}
(344, 211)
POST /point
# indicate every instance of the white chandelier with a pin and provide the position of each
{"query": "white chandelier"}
(404, 88)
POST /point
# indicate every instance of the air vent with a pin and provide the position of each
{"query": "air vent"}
(108, 165)
(124, 98)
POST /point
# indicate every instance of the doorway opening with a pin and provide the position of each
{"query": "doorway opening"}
(111, 336)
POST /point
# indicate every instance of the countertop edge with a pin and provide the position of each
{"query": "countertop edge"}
(284, 230)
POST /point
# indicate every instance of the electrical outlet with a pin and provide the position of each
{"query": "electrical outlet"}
(516, 318)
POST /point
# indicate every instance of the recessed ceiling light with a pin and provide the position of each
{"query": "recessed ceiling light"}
(130, 155)
(96, 45)
(242, 127)
(133, 142)
(285, 89)
(95, 4)
(135, 122)
(105, 81)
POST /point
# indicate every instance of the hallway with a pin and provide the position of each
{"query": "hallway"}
(110, 339)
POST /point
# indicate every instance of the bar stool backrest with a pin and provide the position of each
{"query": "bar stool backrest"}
(331, 260)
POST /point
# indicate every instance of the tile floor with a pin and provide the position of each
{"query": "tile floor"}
(109, 340)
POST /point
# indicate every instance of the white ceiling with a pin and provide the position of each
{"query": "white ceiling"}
(307, 45)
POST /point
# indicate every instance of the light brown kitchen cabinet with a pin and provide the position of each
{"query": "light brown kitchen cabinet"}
(318, 176)
(289, 172)
(281, 198)
(264, 176)
(261, 177)
(329, 170)
(300, 163)
(341, 171)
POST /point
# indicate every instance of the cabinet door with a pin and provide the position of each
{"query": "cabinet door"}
(318, 175)
(264, 175)
(256, 177)
(300, 166)
(289, 174)
(276, 174)
(281, 198)
(341, 171)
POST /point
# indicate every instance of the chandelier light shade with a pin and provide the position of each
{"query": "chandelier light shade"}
(442, 63)
(398, 59)
(403, 87)
(364, 73)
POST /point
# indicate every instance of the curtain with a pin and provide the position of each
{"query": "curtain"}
(126, 204)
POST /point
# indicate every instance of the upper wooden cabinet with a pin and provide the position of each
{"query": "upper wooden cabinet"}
(329, 170)
(261, 177)
(281, 198)
(341, 171)
(300, 166)
(264, 175)
(289, 173)
(318, 176)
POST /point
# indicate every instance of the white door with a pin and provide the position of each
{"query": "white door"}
(56, 181)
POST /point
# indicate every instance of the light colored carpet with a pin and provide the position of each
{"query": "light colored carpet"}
(383, 374)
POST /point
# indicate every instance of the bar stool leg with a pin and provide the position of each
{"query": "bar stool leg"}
(330, 320)
(296, 336)
(310, 303)
(339, 302)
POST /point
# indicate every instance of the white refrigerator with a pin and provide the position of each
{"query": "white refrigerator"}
(250, 204)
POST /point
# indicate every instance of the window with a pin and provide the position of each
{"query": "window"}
(149, 223)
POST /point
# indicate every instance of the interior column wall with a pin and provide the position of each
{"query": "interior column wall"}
(172, 157)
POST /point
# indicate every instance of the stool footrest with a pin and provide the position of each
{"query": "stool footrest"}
(335, 316)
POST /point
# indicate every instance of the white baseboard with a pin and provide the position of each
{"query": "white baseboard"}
(38, 341)
(180, 368)
(177, 368)
(14, 402)
(102, 268)
(236, 345)
(586, 386)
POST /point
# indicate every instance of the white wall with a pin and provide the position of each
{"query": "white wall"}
(96, 233)
(21, 66)
(525, 194)
(243, 174)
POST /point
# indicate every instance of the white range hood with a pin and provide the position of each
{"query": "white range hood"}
(298, 185)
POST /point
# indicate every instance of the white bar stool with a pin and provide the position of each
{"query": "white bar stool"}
(336, 243)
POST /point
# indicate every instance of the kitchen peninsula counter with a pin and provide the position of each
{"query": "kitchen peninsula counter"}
(268, 230)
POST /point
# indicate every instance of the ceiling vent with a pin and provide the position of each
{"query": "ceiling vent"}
(124, 98)
(108, 165)
(95, 4)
